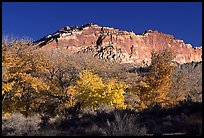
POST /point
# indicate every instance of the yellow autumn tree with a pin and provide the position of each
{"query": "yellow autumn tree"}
(155, 89)
(115, 94)
(20, 85)
(93, 92)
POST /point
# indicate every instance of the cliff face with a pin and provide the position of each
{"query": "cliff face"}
(116, 45)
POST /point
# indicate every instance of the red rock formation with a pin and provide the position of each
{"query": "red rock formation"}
(126, 47)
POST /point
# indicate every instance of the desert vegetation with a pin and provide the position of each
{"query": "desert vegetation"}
(53, 92)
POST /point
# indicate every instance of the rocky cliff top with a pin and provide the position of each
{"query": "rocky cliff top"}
(118, 45)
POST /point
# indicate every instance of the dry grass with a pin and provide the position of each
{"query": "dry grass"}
(18, 125)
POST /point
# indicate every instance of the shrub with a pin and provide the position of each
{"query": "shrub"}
(124, 125)
(18, 125)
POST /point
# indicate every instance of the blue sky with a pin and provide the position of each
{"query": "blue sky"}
(38, 19)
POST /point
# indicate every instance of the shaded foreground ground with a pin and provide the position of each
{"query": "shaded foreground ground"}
(184, 119)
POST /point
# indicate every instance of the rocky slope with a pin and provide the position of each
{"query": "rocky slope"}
(116, 45)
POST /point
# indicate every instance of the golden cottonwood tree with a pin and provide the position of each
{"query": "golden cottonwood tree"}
(92, 92)
(155, 89)
(20, 85)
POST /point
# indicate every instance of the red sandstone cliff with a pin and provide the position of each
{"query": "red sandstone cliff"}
(113, 44)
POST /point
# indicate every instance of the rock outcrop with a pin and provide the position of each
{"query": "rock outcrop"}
(117, 45)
